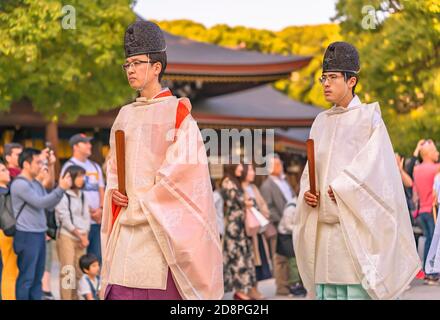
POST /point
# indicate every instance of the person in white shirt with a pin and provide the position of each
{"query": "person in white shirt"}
(90, 284)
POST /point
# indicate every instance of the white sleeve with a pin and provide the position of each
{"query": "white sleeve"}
(83, 287)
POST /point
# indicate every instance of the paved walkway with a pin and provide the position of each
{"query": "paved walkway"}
(417, 290)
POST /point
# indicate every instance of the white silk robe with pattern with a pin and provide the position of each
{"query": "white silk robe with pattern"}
(366, 236)
(170, 221)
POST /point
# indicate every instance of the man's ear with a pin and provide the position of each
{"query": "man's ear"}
(157, 68)
(26, 165)
(352, 82)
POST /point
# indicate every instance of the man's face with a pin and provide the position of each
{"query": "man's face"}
(35, 167)
(137, 70)
(335, 87)
(12, 159)
(83, 148)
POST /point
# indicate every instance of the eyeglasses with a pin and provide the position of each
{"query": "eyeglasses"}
(135, 64)
(331, 78)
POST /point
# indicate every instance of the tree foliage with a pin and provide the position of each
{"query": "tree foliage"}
(65, 72)
(399, 44)
(400, 65)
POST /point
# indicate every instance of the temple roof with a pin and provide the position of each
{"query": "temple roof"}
(299, 134)
(189, 57)
(262, 106)
(202, 70)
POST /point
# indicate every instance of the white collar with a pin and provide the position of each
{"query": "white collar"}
(354, 102)
(162, 91)
(141, 101)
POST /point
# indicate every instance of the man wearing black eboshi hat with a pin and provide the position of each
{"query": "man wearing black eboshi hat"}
(160, 239)
(353, 238)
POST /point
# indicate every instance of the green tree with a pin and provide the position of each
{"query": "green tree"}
(308, 41)
(399, 44)
(66, 60)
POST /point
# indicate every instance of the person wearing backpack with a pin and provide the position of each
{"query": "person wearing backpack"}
(8, 258)
(93, 187)
(29, 201)
(74, 225)
(7, 219)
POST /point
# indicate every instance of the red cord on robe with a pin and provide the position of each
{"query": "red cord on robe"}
(181, 114)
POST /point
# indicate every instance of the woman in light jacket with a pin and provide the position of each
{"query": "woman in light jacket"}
(73, 218)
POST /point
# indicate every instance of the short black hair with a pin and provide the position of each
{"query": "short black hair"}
(162, 58)
(348, 75)
(27, 155)
(86, 261)
(11, 146)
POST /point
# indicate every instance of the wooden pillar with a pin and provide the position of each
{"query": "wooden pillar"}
(97, 145)
(52, 137)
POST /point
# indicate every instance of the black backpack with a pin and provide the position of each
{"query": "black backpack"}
(52, 226)
(7, 219)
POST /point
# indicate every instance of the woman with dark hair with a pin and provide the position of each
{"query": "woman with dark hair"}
(239, 269)
(260, 244)
(73, 216)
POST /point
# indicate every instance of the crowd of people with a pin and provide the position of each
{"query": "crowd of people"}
(250, 257)
(421, 180)
(31, 199)
(36, 211)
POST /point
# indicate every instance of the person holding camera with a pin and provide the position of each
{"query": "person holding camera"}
(29, 201)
